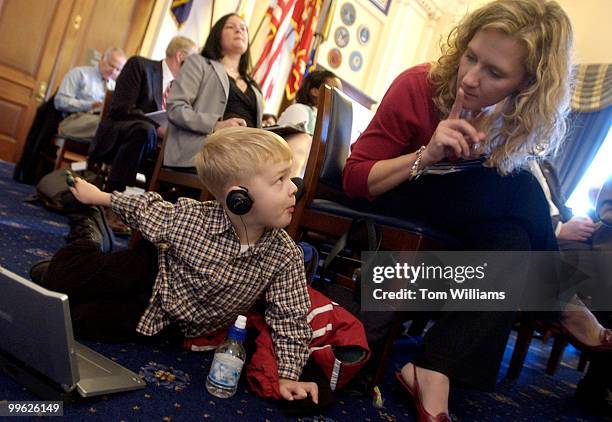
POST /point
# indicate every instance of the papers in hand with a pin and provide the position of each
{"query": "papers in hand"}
(285, 130)
(448, 167)
(160, 117)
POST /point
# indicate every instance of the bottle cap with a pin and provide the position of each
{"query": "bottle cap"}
(240, 322)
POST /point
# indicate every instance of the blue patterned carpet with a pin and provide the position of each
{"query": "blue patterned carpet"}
(29, 233)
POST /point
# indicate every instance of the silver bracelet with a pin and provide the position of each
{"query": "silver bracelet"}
(415, 167)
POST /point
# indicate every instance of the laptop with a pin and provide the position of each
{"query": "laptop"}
(38, 349)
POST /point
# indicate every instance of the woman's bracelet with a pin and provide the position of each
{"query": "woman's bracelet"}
(415, 167)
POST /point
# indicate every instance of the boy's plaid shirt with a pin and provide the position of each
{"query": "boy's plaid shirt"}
(204, 281)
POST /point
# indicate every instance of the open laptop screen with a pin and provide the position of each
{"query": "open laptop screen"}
(35, 328)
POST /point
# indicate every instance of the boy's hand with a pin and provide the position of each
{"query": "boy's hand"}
(86, 193)
(296, 390)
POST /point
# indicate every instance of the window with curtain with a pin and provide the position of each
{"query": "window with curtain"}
(584, 161)
(582, 200)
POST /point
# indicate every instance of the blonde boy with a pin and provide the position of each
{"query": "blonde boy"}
(216, 258)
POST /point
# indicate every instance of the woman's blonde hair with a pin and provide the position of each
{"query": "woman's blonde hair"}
(233, 155)
(530, 121)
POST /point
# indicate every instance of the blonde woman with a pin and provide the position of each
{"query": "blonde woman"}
(500, 88)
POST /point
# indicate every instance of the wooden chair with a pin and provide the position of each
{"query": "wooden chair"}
(174, 177)
(525, 332)
(71, 149)
(324, 207)
(324, 211)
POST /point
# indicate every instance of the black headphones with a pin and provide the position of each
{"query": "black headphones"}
(238, 201)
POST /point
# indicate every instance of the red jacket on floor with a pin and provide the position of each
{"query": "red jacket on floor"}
(332, 326)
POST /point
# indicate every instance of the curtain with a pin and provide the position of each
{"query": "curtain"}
(589, 123)
(587, 132)
(592, 87)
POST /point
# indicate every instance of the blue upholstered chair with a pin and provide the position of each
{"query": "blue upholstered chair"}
(325, 212)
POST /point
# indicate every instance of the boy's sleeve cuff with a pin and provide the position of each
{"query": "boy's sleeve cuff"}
(288, 372)
(117, 201)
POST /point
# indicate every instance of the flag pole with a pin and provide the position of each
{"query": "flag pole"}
(263, 18)
(321, 33)
(212, 15)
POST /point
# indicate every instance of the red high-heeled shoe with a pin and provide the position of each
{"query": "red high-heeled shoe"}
(422, 414)
(605, 338)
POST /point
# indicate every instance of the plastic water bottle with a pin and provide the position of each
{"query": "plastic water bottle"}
(222, 380)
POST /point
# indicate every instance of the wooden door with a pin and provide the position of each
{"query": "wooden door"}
(103, 24)
(31, 32)
(43, 39)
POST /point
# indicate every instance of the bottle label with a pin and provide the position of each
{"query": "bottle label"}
(225, 370)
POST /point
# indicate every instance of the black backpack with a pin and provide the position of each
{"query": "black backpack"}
(53, 191)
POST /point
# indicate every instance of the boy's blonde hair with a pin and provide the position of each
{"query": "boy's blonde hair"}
(232, 155)
(532, 121)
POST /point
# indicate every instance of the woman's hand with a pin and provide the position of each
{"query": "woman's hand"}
(233, 121)
(86, 193)
(453, 137)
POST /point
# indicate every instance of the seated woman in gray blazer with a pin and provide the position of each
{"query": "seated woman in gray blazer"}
(212, 91)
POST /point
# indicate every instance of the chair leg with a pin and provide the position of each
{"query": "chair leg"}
(388, 347)
(521, 347)
(584, 359)
(59, 158)
(556, 354)
(154, 182)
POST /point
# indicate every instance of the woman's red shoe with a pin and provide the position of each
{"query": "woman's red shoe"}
(605, 339)
(422, 414)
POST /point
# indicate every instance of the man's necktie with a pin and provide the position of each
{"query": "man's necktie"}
(166, 94)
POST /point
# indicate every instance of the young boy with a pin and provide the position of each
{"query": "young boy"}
(213, 259)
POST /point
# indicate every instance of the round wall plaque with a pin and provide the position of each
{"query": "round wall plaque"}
(355, 61)
(334, 58)
(348, 14)
(341, 36)
(363, 34)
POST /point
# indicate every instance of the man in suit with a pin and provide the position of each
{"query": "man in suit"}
(82, 92)
(604, 202)
(126, 136)
(83, 88)
(577, 237)
(595, 389)
(573, 232)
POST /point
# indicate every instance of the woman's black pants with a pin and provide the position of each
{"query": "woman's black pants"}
(484, 211)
